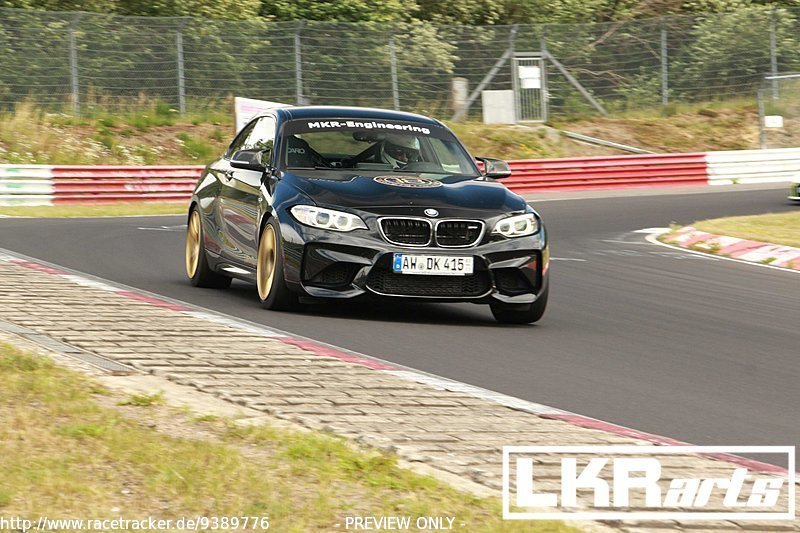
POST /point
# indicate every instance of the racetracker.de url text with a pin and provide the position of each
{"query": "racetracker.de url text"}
(185, 523)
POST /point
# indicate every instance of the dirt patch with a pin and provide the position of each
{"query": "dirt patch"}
(701, 130)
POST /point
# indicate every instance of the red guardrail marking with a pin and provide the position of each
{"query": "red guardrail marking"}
(607, 172)
(113, 183)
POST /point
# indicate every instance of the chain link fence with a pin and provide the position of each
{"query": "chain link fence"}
(779, 111)
(86, 61)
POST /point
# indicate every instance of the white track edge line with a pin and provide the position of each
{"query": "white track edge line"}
(653, 239)
(400, 371)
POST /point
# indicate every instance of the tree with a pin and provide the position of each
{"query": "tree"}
(214, 9)
(340, 10)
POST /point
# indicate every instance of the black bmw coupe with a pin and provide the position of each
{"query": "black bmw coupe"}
(337, 202)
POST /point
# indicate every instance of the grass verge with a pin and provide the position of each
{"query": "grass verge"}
(154, 133)
(777, 228)
(67, 456)
(101, 210)
(697, 127)
(151, 135)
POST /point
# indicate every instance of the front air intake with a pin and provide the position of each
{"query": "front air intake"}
(455, 233)
(406, 231)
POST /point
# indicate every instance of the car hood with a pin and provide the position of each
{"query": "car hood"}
(393, 192)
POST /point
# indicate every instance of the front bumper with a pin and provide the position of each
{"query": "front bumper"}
(325, 264)
(794, 192)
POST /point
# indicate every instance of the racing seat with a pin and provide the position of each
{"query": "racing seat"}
(300, 154)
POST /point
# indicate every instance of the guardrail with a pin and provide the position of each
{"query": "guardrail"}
(46, 185)
(753, 166)
(25, 185)
(79, 184)
(610, 172)
(89, 184)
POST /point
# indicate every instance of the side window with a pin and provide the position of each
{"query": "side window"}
(262, 137)
(448, 156)
(239, 141)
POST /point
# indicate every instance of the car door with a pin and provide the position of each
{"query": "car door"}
(241, 196)
(222, 172)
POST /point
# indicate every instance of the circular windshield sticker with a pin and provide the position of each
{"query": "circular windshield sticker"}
(414, 182)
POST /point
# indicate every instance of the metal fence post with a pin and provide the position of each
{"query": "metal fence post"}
(664, 68)
(181, 79)
(508, 55)
(773, 50)
(298, 65)
(543, 40)
(73, 66)
(545, 90)
(575, 83)
(395, 85)
(762, 134)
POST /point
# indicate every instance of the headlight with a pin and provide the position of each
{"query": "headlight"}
(517, 226)
(318, 217)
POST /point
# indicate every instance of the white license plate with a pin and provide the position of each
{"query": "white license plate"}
(435, 265)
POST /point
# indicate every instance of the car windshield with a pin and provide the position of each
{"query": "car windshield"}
(374, 145)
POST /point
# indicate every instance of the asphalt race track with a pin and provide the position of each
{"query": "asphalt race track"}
(701, 350)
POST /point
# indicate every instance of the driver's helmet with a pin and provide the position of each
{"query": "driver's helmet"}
(399, 150)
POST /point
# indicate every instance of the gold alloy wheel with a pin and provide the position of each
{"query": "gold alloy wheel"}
(265, 270)
(193, 244)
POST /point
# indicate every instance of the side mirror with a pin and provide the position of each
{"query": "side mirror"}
(249, 160)
(494, 168)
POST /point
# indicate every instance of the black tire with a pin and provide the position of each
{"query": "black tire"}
(272, 290)
(521, 314)
(200, 274)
